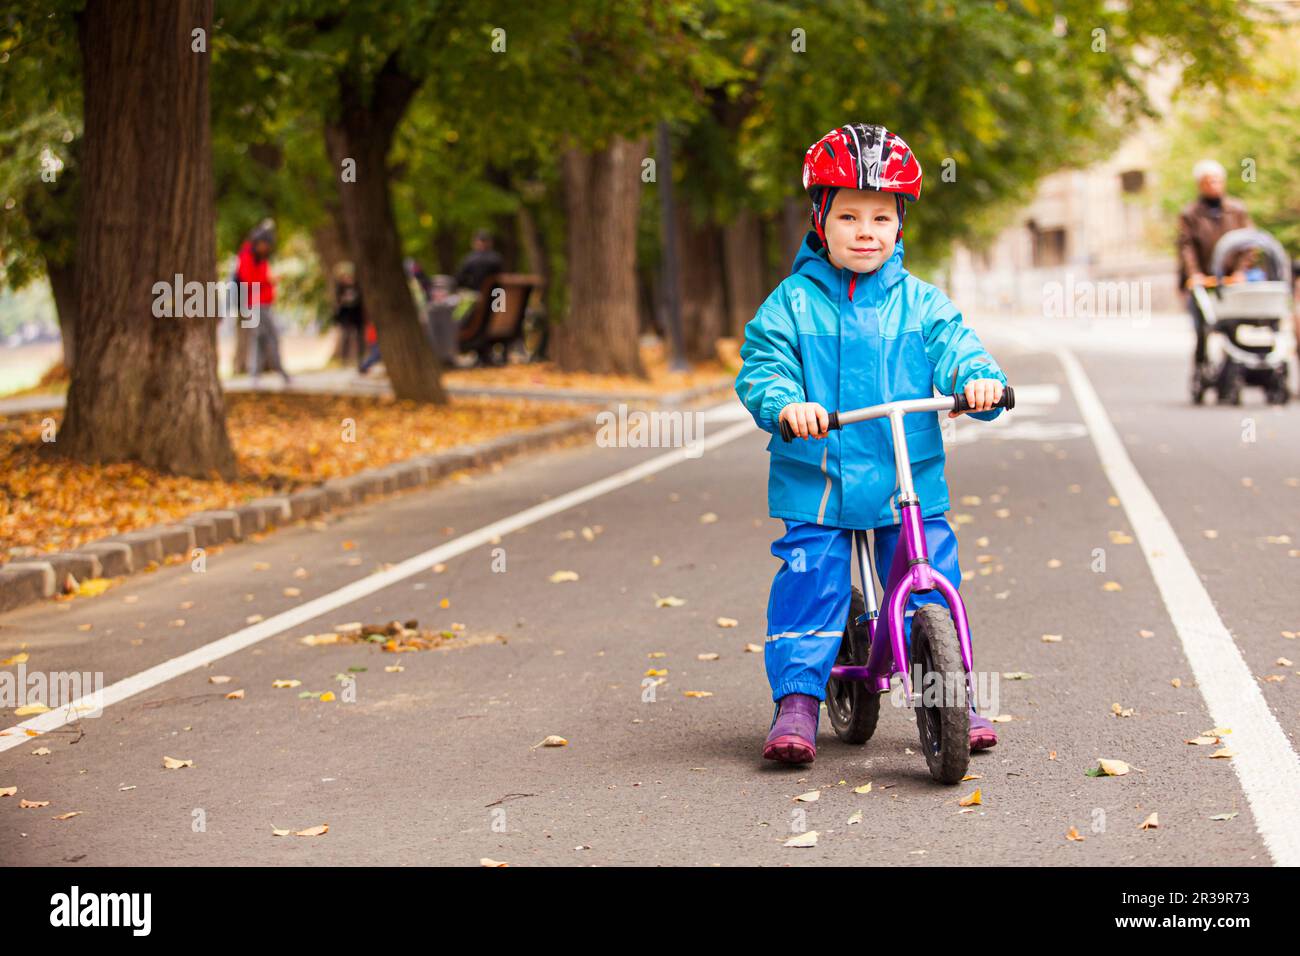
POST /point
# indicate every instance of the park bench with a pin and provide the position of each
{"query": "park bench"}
(491, 334)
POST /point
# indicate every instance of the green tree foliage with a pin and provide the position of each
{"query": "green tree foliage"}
(1253, 129)
(991, 95)
(40, 126)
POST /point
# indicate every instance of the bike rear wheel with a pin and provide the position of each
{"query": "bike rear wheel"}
(943, 717)
(853, 707)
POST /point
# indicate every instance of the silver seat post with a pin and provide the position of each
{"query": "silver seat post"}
(866, 574)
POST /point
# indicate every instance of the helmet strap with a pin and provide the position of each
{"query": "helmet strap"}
(820, 210)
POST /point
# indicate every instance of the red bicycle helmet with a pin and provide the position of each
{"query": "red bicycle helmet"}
(860, 157)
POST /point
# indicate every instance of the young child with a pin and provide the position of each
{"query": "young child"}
(851, 327)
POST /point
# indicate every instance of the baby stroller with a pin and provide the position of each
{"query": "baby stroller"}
(1248, 323)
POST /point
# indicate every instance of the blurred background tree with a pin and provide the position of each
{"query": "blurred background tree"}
(537, 122)
(1251, 126)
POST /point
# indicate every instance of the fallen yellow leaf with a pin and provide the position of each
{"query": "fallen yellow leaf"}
(93, 586)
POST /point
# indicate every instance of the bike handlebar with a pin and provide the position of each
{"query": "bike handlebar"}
(956, 403)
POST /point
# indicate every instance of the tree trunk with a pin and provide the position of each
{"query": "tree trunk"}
(505, 226)
(363, 133)
(51, 212)
(534, 243)
(243, 349)
(331, 248)
(794, 226)
(329, 240)
(602, 191)
(446, 246)
(145, 388)
(742, 259)
(63, 284)
(702, 289)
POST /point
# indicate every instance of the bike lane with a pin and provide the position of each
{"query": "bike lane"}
(439, 763)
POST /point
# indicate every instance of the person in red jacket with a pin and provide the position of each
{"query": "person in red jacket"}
(257, 294)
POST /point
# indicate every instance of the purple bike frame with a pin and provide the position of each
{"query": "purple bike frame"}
(910, 570)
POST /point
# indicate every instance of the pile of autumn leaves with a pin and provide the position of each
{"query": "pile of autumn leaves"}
(284, 442)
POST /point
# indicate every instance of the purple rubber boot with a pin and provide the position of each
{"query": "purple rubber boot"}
(793, 737)
(981, 732)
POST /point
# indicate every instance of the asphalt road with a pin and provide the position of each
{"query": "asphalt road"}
(439, 763)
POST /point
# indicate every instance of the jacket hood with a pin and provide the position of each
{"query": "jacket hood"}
(812, 263)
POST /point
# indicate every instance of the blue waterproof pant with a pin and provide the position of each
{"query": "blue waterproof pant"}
(809, 603)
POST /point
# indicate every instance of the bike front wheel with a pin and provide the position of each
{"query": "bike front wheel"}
(943, 716)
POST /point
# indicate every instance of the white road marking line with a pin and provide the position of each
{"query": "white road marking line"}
(729, 412)
(245, 637)
(1265, 763)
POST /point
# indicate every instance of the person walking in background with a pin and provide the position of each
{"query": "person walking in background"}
(372, 355)
(349, 314)
(1200, 225)
(256, 290)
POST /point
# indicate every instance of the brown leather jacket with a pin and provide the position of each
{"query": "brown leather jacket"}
(1200, 225)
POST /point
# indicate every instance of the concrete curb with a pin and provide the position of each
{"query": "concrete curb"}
(27, 580)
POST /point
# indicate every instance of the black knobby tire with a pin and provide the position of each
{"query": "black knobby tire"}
(943, 723)
(853, 708)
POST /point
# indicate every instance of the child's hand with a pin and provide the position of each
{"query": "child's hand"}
(806, 419)
(982, 394)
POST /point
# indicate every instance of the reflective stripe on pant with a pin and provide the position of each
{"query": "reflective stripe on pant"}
(808, 606)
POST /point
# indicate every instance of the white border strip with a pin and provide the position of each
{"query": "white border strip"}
(1268, 768)
(202, 656)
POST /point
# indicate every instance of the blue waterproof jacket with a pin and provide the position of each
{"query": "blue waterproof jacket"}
(845, 340)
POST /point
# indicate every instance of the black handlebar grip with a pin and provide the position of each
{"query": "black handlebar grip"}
(1008, 400)
(787, 432)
